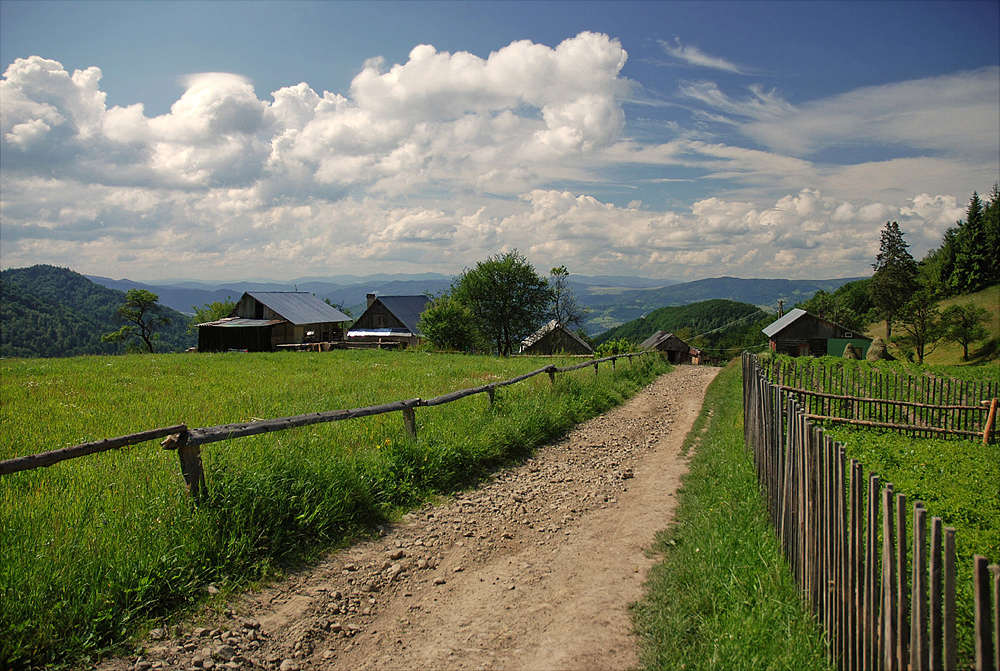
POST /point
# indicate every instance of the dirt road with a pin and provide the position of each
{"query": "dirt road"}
(532, 570)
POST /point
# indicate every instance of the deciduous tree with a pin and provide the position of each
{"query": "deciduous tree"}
(565, 308)
(965, 324)
(922, 326)
(141, 315)
(508, 299)
(210, 312)
(450, 325)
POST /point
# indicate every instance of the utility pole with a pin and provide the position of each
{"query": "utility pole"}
(781, 307)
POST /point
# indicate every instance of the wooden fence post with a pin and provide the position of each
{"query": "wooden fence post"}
(981, 590)
(410, 422)
(918, 593)
(491, 394)
(552, 374)
(192, 470)
(990, 422)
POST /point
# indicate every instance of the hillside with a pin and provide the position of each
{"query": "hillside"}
(612, 300)
(716, 325)
(53, 312)
(950, 353)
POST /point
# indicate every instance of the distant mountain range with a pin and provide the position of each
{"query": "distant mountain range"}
(612, 299)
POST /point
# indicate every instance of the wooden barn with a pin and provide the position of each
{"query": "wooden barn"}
(676, 350)
(554, 338)
(800, 333)
(264, 321)
(388, 321)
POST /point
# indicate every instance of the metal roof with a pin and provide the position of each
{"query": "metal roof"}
(406, 309)
(299, 307)
(779, 324)
(380, 332)
(548, 328)
(239, 322)
(654, 341)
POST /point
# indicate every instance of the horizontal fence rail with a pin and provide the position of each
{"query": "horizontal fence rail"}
(885, 601)
(188, 441)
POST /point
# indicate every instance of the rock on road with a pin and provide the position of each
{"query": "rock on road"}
(534, 569)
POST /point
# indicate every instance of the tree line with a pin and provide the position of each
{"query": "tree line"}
(905, 292)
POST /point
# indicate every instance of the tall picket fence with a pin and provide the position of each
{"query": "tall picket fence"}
(885, 600)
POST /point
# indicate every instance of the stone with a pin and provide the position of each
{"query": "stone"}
(289, 665)
(226, 652)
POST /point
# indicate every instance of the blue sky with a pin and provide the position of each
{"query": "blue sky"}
(222, 140)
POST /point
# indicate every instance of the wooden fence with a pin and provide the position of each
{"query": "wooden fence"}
(188, 442)
(884, 602)
(922, 405)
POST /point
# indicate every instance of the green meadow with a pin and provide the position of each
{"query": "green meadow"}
(95, 548)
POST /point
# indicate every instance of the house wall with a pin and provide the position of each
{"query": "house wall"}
(810, 336)
(377, 317)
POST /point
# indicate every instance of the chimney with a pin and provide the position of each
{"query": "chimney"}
(371, 299)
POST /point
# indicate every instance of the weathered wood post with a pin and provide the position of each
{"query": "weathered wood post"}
(990, 422)
(982, 617)
(491, 393)
(410, 420)
(552, 374)
(595, 368)
(191, 466)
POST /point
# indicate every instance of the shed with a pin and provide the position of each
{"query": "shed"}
(554, 338)
(389, 321)
(800, 333)
(263, 321)
(676, 350)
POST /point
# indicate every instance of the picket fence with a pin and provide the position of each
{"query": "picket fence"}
(921, 405)
(884, 602)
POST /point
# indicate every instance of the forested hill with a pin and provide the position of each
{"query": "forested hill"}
(713, 320)
(48, 312)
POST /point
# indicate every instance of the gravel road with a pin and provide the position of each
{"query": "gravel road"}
(534, 569)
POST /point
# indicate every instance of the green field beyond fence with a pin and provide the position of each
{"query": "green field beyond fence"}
(95, 547)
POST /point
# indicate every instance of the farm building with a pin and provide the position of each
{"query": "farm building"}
(263, 321)
(388, 321)
(676, 350)
(800, 333)
(554, 338)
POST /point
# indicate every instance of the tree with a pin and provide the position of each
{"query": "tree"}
(921, 322)
(973, 260)
(965, 324)
(210, 312)
(565, 308)
(894, 281)
(142, 315)
(450, 325)
(508, 299)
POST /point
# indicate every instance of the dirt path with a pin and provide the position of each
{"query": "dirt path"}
(532, 570)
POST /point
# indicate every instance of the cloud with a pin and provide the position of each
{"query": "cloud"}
(447, 158)
(694, 56)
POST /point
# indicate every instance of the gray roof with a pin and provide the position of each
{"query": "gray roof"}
(299, 307)
(406, 309)
(654, 341)
(778, 325)
(548, 328)
(239, 322)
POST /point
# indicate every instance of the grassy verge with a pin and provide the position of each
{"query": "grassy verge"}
(723, 598)
(94, 548)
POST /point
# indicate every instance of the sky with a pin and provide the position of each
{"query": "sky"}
(675, 140)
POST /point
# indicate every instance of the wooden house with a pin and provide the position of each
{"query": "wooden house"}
(676, 350)
(800, 333)
(388, 321)
(264, 321)
(554, 338)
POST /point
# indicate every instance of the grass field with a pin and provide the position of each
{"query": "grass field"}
(948, 353)
(96, 547)
(723, 597)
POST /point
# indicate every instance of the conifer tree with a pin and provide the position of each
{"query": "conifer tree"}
(895, 278)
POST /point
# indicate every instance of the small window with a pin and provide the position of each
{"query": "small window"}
(848, 335)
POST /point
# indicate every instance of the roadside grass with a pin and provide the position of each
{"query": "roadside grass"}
(96, 548)
(723, 597)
